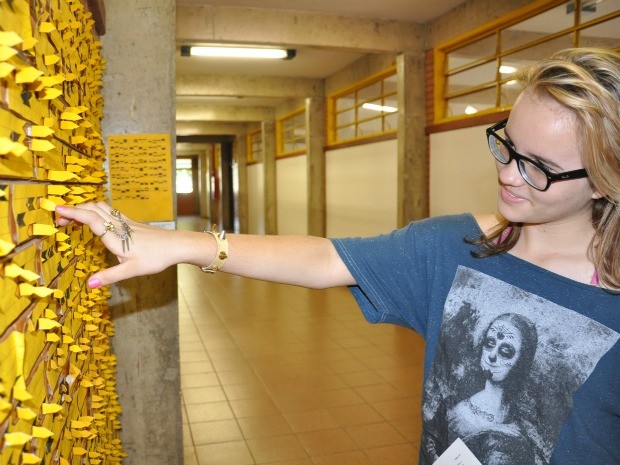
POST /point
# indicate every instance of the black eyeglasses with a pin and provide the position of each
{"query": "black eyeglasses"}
(534, 172)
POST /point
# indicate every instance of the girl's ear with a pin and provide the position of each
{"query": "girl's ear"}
(596, 195)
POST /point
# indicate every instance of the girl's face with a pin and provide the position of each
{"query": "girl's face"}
(543, 130)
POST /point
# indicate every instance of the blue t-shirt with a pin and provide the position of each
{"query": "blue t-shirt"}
(522, 364)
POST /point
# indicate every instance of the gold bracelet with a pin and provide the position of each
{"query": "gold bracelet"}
(222, 252)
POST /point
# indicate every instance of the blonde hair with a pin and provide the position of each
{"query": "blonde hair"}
(587, 82)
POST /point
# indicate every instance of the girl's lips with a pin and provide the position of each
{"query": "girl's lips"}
(509, 197)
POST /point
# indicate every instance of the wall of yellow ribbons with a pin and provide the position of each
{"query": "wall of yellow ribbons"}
(58, 402)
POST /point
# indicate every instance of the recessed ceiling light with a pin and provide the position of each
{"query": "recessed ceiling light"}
(229, 51)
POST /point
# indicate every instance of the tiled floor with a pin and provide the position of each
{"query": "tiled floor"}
(275, 374)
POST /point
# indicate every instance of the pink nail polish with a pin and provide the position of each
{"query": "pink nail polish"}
(61, 208)
(94, 283)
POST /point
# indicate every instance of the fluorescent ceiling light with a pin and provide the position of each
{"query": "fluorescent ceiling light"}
(512, 82)
(505, 69)
(224, 51)
(383, 108)
(469, 110)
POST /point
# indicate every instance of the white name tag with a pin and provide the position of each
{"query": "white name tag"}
(457, 454)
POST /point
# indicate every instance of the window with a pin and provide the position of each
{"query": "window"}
(367, 109)
(291, 133)
(475, 72)
(185, 180)
(255, 146)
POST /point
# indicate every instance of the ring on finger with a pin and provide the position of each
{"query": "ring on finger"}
(109, 226)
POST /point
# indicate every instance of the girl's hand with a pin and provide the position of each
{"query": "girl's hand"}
(141, 249)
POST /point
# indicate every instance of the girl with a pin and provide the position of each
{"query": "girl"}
(552, 259)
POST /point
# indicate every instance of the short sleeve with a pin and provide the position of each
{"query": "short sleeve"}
(401, 274)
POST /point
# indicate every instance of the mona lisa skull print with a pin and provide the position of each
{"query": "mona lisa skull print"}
(501, 349)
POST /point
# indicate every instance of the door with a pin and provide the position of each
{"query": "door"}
(187, 186)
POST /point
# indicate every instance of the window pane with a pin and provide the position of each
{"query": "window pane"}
(531, 55)
(472, 52)
(347, 132)
(537, 27)
(471, 77)
(606, 35)
(390, 84)
(471, 103)
(346, 101)
(390, 122)
(369, 127)
(371, 92)
(184, 163)
(345, 117)
(287, 124)
(592, 9)
(185, 183)
(299, 120)
(509, 93)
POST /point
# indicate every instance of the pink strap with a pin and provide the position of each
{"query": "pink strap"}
(594, 280)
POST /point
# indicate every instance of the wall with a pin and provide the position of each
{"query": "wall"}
(361, 189)
(292, 195)
(462, 173)
(58, 402)
(256, 199)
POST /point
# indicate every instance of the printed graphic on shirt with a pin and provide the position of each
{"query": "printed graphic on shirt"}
(506, 366)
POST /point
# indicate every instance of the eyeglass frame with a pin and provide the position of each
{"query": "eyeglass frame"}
(514, 155)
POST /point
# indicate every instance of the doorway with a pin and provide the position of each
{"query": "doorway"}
(187, 185)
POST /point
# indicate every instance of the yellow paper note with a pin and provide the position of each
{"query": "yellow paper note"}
(17, 439)
(27, 75)
(43, 229)
(13, 270)
(41, 432)
(25, 413)
(61, 176)
(10, 38)
(7, 52)
(46, 27)
(30, 459)
(45, 324)
(40, 131)
(41, 145)
(50, 408)
(47, 204)
(6, 69)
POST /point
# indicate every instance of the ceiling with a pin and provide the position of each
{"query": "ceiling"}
(400, 10)
(310, 62)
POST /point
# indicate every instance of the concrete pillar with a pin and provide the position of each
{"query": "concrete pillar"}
(412, 158)
(139, 90)
(268, 129)
(241, 153)
(315, 150)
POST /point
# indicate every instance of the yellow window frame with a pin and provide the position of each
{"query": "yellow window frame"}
(255, 146)
(286, 135)
(494, 28)
(333, 111)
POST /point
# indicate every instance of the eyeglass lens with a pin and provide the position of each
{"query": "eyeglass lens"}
(532, 174)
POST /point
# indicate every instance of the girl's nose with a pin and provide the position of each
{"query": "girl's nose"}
(509, 174)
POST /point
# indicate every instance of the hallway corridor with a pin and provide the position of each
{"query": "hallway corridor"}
(275, 374)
